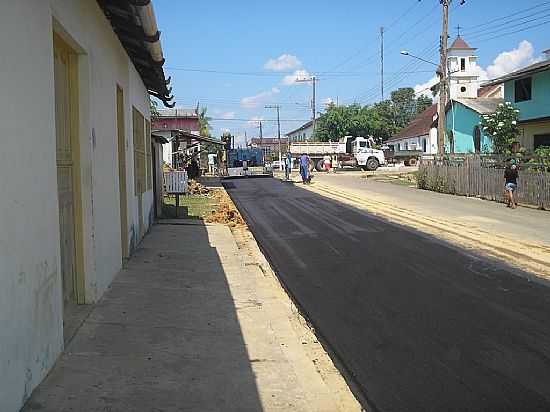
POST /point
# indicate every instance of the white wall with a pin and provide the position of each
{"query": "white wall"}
(31, 335)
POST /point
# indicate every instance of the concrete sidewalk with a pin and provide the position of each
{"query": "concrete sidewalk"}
(191, 324)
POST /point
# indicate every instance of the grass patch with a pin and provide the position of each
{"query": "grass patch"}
(190, 206)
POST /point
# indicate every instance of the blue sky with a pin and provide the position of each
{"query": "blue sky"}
(337, 41)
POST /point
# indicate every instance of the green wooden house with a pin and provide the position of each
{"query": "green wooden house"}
(529, 90)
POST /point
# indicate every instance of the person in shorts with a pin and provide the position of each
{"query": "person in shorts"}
(511, 184)
(327, 161)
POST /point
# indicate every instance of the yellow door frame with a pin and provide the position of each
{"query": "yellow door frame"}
(74, 131)
(121, 134)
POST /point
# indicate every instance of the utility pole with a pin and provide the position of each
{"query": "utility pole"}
(443, 79)
(278, 107)
(313, 81)
(382, 61)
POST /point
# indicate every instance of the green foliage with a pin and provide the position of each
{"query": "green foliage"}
(204, 122)
(542, 157)
(381, 120)
(153, 106)
(435, 183)
(502, 127)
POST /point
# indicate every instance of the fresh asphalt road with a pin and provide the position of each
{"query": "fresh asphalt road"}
(418, 324)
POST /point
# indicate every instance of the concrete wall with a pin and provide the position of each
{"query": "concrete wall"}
(302, 135)
(31, 310)
(462, 120)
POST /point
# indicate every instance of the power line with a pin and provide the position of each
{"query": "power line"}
(509, 15)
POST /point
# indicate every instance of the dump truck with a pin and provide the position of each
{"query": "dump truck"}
(348, 151)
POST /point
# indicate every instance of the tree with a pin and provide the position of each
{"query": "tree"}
(404, 106)
(502, 127)
(204, 122)
(422, 103)
(153, 106)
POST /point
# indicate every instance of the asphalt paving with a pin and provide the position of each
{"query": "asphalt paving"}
(418, 324)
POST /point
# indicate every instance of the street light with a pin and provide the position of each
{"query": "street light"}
(406, 53)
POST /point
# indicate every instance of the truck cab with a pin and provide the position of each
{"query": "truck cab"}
(368, 158)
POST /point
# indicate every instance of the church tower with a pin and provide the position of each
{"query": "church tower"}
(463, 78)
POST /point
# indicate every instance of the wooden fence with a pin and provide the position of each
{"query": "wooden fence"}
(473, 177)
(175, 182)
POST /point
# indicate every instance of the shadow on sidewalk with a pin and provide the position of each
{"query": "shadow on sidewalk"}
(165, 337)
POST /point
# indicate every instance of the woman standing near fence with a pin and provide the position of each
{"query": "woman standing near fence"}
(511, 183)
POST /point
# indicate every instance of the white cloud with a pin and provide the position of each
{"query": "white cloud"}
(252, 102)
(228, 115)
(509, 61)
(328, 101)
(253, 122)
(290, 79)
(283, 62)
(424, 88)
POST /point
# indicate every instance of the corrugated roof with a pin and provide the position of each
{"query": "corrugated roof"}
(420, 126)
(533, 68)
(481, 105)
(460, 44)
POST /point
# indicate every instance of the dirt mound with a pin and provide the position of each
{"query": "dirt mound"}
(196, 188)
(225, 212)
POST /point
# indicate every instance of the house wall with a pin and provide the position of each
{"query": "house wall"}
(529, 130)
(539, 105)
(188, 124)
(31, 309)
(462, 120)
(536, 108)
(415, 143)
(301, 136)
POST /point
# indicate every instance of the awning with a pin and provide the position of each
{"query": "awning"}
(135, 24)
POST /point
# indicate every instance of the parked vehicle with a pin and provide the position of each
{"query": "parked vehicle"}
(407, 157)
(343, 153)
(246, 162)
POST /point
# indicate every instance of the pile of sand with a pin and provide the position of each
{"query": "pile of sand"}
(225, 212)
(195, 188)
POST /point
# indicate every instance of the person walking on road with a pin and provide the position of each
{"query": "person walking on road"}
(511, 183)
(327, 160)
(288, 165)
(304, 168)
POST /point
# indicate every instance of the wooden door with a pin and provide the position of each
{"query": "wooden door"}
(65, 167)
(122, 172)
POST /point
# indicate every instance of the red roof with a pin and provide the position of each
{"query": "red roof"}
(420, 126)
(460, 44)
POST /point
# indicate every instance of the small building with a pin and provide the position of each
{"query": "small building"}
(269, 146)
(178, 118)
(529, 90)
(76, 168)
(418, 135)
(302, 133)
(464, 133)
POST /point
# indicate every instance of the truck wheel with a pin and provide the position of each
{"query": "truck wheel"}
(320, 165)
(412, 162)
(372, 164)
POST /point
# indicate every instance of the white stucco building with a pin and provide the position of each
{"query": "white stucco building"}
(75, 167)
(302, 133)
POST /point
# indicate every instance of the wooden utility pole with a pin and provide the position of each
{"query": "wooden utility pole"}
(382, 61)
(313, 81)
(443, 80)
(278, 108)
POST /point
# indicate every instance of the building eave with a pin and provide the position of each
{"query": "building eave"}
(134, 23)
